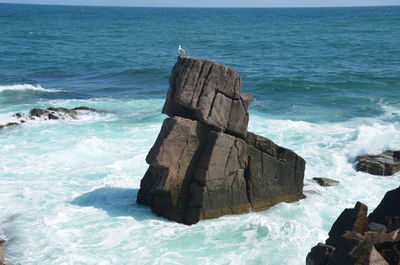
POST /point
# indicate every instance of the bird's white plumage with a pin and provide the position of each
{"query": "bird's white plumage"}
(181, 50)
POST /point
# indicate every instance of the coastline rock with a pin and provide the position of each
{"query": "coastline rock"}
(384, 164)
(326, 182)
(204, 163)
(47, 114)
(208, 92)
(354, 242)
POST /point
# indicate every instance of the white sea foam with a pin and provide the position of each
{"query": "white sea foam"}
(74, 184)
(22, 87)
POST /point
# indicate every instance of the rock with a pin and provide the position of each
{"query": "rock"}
(83, 108)
(208, 92)
(388, 210)
(196, 173)
(8, 124)
(384, 164)
(204, 163)
(363, 246)
(351, 219)
(319, 255)
(326, 182)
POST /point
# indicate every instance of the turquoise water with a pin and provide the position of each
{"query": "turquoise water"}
(325, 83)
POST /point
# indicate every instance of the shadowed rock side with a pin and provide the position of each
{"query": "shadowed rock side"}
(199, 170)
(384, 164)
(357, 239)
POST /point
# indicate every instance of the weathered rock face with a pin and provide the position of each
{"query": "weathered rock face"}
(208, 92)
(204, 163)
(353, 241)
(384, 164)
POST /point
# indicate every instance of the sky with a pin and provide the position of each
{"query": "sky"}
(213, 3)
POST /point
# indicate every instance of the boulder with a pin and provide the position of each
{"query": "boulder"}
(384, 164)
(326, 182)
(8, 124)
(378, 244)
(204, 163)
(319, 255)
(208, 92)
(351, 219)
(388, 210)
(197, 173)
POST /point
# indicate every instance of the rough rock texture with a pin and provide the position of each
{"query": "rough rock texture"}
(353, 241)
(326, 182)
(47, 114)
(208, 92)
(384, 164)
(204, 163)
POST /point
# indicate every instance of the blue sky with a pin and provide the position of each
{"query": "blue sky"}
(213, 3)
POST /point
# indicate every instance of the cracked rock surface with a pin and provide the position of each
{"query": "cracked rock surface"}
(204, 163)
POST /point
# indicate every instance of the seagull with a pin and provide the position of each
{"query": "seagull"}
(181, 50)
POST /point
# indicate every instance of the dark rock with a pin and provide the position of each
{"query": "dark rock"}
(38, 112)
(351, 219)
(196, 173)
(319, 255)
(83, 108)
(384, 164)
(204, 163)
(388, 210)
(208, 92)
(8, 124)
(359, 246)
(51, 116)
(326, 182)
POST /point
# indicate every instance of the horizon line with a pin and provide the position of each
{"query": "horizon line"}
(139, 6)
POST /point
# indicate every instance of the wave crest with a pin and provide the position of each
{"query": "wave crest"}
(23, 87)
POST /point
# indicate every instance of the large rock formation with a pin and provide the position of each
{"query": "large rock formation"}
(204, 163)
(384, 164)
(357, 239)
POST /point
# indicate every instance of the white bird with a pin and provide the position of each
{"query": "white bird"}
(181, 50)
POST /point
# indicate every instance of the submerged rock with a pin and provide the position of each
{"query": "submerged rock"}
(51, 113)
(204, 163)
(384, 164)
(326, 182)
(355, 242)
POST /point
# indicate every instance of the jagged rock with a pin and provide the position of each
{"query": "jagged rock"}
(384, 164)
(204, 163)
(351, 219)
(208, 92)
(54, 113)
(388, 210)
(371, 246)
(326, 182)
(196, 173)
(320, 254)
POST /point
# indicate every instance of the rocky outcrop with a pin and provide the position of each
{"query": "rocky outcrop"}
(326, 182)
(356, 239)
(384, 164)
(47, 114)
(204, 163)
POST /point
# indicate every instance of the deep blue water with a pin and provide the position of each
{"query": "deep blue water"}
(325, 83)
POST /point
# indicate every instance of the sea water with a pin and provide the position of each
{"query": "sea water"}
(325, 83)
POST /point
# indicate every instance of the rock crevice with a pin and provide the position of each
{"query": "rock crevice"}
(204, 163)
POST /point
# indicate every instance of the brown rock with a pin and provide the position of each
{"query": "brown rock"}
(384, 164)
(208, 92)
(351, 219)
(319, 255)
(326, 182)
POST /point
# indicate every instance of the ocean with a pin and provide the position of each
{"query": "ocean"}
(325, 83)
